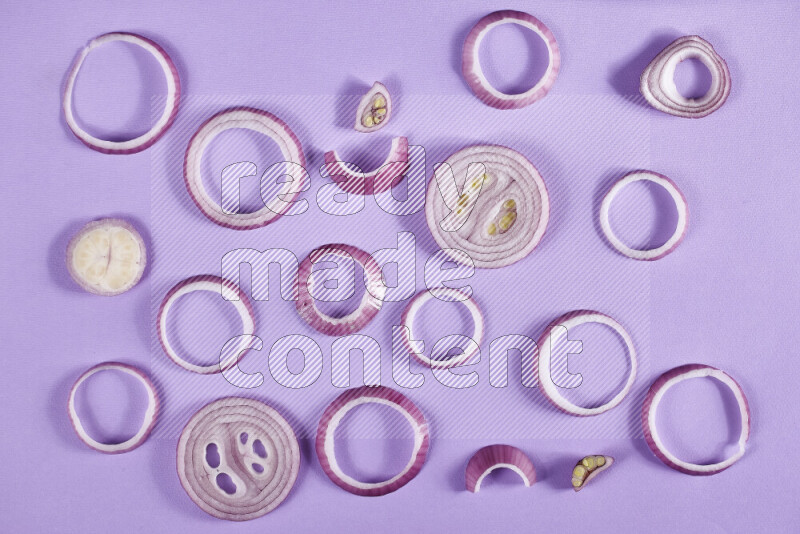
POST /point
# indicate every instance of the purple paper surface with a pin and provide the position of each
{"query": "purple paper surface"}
(726, 297)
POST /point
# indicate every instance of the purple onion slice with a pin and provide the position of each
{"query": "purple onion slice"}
(370, 303)
(107, 257)
(238, 459)
(680, 204)
(150, 414)
(494, 457)
(588, 468)
(258, 121)
(658, 79)
(443, 293)
(335, 413)
(227, 290)
(374, 110)
(543, 357)
(388, 175)
(144, 141)
(650, 407)
(476, 79)
(489, 202)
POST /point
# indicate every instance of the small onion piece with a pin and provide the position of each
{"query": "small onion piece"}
(107, 257)
(333, 416)
(658, 79)
(227, 290)
(382, 179)
(443, 293)
(131, 146)
(374, 110)
(257, 121)
(370, 303)
(494, 457)
(150, 414)
(476, 79)
(650, 408)
(588, 468)
(233, 427)
(543, 357)
(496, 218)
(681, 206)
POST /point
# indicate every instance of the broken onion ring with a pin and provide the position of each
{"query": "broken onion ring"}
(476, 79)
(494, 457)
(145, 140)
(150, 414)
(680, 204)
(650, 407)
(658, 79)
(382, 179)
(374, 109)
(335, 413)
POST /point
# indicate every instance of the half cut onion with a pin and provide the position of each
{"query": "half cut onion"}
(542, 361)
(258, 121)
(385, 177)
(374, 110)
(476, 79)
(242, 442)
(650, 408)
(227, 290)
(333, 416)
(494, 457)
(144, 141)
(658, 79)
(150, 414)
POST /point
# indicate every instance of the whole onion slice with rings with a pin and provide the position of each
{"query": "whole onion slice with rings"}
(163, 123)
(494, 457)
(370, 303)
(681, 206)
(150, 414)
(542, 361)
(588, 468)
(227, 290)
(385, 177)
(107, 257)
(658, 79)
(258, 121)
(490, 202)
(650, 408)
(246, 442)
(333, 416)
(476, 79)
(374, 109)
(443, 293)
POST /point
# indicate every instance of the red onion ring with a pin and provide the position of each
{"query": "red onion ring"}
(230, 292)
(370, 303)
(232, 424)
(680, 204)
(385, 177)
(650, 407)
(333, 416)
(150, 414)
(374, 109)
(658, 79)
(494, 457)
(510, 180)
(144, 141)
(258, 121)
(419, 300)
(107, 257)
(543, 355)
(473, 73)
(588, 468)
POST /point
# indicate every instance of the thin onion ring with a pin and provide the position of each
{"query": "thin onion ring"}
(492, 457)
(382, 179)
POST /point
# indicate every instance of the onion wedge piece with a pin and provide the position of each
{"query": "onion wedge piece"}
(494, 457)
(658, 79)
(476, 79)
(132, 146)
(335, 413)
(238, 458)
(588, 468)
(374, 110)
(385, 177)
(650, 407)
(150, 414)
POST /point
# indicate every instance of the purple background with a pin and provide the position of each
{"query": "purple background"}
(726, 297)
